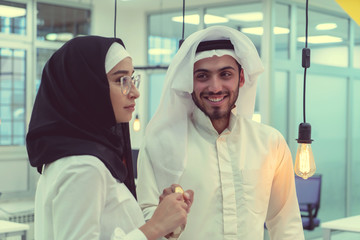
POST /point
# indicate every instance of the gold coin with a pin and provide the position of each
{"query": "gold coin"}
(179, 190)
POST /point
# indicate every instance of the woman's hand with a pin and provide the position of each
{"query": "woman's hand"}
(188, 195)
(171, 213)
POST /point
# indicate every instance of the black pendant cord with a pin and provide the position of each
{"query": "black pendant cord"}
(306, 59)
(183, 25)
(115, 19)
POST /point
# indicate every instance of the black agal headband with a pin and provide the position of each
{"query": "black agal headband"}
(214, 44)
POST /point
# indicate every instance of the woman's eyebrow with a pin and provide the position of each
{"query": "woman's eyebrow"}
(121, 72)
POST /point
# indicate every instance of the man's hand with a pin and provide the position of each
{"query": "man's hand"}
(188, 195)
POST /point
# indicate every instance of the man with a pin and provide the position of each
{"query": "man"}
(202, 137)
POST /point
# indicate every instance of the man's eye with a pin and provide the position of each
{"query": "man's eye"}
(226, 74)
(201, 76)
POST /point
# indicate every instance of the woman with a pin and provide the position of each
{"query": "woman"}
(79, 141)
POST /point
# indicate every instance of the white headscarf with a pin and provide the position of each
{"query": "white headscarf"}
(166, 134)
(115, 54)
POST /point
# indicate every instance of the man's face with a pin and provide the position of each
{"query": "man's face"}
(216, 85)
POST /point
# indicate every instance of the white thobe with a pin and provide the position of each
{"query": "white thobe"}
(78, 198)
(241, 178)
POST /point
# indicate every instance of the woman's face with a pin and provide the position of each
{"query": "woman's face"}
(123, 105)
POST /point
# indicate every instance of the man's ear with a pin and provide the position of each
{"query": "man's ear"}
(242, 78)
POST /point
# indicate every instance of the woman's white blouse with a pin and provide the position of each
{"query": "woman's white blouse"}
(78, 198)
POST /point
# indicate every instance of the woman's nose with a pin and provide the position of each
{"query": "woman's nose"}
(134, 92)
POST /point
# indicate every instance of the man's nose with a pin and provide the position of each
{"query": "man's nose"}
(215, 84)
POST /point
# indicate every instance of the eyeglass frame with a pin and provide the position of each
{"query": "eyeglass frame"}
(134, 80)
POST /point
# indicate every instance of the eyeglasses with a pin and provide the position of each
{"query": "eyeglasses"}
(126, 82)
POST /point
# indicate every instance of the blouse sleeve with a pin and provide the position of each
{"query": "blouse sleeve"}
(78, 205)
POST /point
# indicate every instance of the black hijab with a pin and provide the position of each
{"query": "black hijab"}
(73, 114)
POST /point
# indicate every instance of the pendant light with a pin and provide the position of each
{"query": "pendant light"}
(137, 124)
(304, 163)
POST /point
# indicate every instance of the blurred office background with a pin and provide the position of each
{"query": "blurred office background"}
(31, 30)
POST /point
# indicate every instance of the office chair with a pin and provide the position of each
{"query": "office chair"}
(308, 193)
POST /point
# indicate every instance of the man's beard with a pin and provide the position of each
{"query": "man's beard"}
(216, 114)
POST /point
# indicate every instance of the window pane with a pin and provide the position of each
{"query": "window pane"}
(281, 31)
(19, 61)
(12, 96)
(19, 82)
(5, 129)
(326, 114)
(42, 56)
(4, 140)
(5, 97)
(5, 112)
(156, 82)
(161, 50)
(5, 79)
(19, 97)
(244, 17)
(13, 18)
(355, 164)
(19, 129)
(165, 31)
(357, 46)
(327, 38)
(59, 23)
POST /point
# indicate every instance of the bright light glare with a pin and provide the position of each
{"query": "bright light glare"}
(260, 30)
(159, 51)
(10, 12)
(321, 39)
(326, 26)
(64, 37)
(195, 19)
(246, 17)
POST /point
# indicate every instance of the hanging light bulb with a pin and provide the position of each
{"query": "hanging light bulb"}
(304, 164)
(136, 124)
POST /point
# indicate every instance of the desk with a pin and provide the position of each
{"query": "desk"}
(8, 229)
(349, 224)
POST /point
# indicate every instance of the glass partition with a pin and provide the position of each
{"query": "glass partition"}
(279, 115)
(281, 31)
(42, 55)
(244, 17)
(328, 38)
(326, 112)
(357, 46)
(12, 18)
(165, 31)
(355, 155)
(12, 96)
(60, 23)
(156, 83)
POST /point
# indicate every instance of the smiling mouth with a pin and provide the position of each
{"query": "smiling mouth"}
(215, 99)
